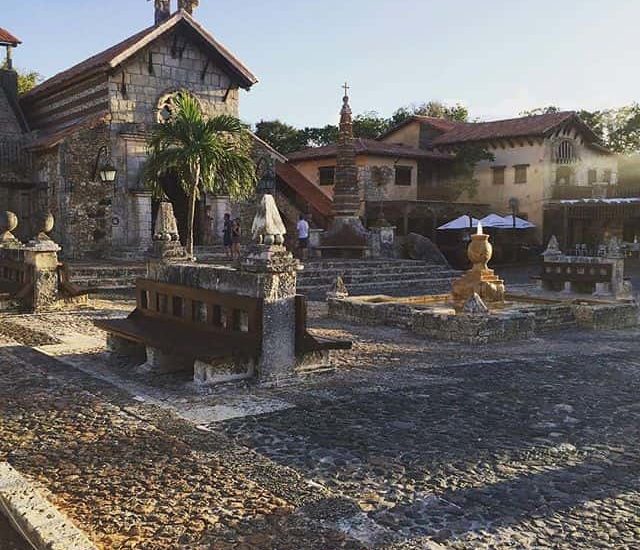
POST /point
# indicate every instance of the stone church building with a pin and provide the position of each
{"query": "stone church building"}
(60, 140)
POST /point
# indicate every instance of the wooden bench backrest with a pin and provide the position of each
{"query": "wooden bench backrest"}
(577, 272)
(15, 273)
(204, 309)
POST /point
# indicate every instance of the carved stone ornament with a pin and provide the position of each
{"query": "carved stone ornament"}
(8, 223)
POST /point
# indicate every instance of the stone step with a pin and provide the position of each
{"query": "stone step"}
(374, 272)
(404, 288)
(374, 278)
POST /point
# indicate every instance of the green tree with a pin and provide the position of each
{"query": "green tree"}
(206, 154)
(283, 137)
(436, 109)
(317, 137)
(369, 125)
(549, 109)
(463, 169)
(27, 80)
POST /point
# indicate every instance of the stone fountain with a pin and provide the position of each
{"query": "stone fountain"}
(479, 279)
(479, 310)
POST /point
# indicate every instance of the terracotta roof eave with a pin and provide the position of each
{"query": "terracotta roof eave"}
(106, 61)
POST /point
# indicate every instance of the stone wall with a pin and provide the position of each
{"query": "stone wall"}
(169, 64)
(80, 204)
(519, 321)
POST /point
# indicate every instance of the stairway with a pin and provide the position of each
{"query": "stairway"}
(107, 276)
(384, 276)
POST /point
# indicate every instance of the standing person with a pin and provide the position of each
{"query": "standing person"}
(226, 235)
(303, 237)
(236, 233)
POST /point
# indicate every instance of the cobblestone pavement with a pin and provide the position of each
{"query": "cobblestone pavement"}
(404, 444)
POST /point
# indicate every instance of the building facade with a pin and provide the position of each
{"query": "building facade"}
(537, 161)
(99, 113)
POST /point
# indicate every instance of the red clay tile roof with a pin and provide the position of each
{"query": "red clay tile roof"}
(6, 38)
(537, 125)
(115, 55)
(368, 147)
(441, 124)
(48, 140)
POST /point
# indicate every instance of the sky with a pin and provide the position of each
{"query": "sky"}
(497, 57)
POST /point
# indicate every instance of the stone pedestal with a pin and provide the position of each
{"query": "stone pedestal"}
(42, 256)
(160, 362)
(274, 271)
(382, 241)
(140, 220)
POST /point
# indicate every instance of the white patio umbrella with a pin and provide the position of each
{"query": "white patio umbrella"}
(460, 223)
(493, 220)
(520, 223)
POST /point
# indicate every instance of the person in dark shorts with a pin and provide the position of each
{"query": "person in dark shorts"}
(303, 237)
(226, 235)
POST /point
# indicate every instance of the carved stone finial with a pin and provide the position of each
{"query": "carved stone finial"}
(8, 224)
(166, 226)
(475, 306)
(188, 5)
(47, 222)
(268, 227)
(338, 290)
(163, 11)
(166, 239)
(553, 248)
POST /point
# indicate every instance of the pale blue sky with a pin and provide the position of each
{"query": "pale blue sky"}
(498, 57)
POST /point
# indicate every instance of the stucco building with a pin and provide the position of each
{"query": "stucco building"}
(538, 160)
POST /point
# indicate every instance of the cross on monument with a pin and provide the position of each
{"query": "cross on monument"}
(346, 89)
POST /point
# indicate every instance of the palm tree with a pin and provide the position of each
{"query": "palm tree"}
(206, 154)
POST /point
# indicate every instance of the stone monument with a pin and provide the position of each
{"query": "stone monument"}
(346, 235)
(166, 239)
(479, 279)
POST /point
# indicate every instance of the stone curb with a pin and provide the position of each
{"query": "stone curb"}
(36, 517)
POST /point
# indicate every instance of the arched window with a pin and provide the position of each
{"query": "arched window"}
(167, 105)
(565, 152)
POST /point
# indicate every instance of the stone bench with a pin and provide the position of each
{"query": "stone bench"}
(219, 335)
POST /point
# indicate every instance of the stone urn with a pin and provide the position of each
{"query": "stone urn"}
(8, 223)
(46, 226)
(480, 252)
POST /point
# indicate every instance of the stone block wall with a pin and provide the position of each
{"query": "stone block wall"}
(172, 63)
(81, 205)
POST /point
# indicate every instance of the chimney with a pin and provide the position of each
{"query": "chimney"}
(188, 5)
(163, 11)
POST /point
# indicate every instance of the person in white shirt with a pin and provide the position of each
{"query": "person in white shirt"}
(303, 237)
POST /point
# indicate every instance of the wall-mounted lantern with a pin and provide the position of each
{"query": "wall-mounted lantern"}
(107, 171)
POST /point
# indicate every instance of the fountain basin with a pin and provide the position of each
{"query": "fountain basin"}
(518, 317)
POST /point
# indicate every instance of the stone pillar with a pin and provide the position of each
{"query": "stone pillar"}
(43, 257)
(275, 271)
(140, 220)
(219, 207)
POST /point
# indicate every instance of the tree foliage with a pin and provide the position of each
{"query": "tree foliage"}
(617, 129)
(27, 80)
(205, 154)
(368, 125)
(435, 109)
(462, 171)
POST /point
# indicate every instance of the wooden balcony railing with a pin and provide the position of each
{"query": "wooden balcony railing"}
(573, 192)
